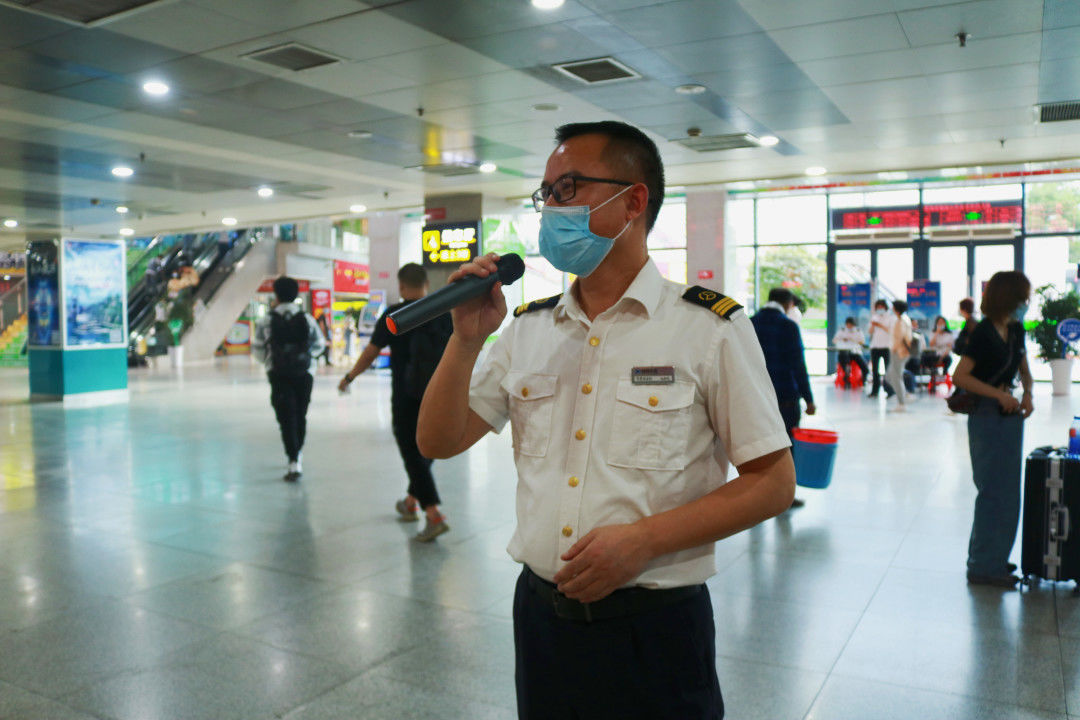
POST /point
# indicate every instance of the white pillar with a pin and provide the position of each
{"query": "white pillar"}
(385, 233)
(705, 247)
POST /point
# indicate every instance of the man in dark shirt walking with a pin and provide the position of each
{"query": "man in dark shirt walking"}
(413, 359)
(785, 359)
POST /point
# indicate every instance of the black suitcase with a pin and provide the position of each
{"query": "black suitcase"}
(1051, 535)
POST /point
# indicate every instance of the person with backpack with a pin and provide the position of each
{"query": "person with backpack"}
(289, 342)
(413, 359)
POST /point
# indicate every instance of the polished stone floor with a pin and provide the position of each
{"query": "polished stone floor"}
(153, 565)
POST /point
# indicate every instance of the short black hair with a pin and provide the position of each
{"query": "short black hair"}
(850, 320)
(781, 295)
(881, 303)
(412, 275)
(968, 306)
(630, 151)
(899, 306)
(286, 289)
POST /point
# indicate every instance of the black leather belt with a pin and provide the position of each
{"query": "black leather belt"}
(621, 603)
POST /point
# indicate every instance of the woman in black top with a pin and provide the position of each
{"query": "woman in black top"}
(989, 363)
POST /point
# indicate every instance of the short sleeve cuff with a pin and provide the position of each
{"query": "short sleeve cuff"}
(760, 448)
(488, 414)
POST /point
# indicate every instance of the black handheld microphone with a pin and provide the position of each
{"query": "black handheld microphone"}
(510, 268)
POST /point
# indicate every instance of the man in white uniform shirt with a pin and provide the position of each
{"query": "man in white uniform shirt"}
(627, 397)
(881, 324)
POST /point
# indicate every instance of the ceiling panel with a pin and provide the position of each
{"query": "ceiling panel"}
(863, 98)
(111, 93)
(49, 106)
(982, 19)
(277, 15)
(773, 78)
(19, 28)
(438, 64)
(684, 114)
(776, 14)
(348, 114)
(979, 53)
(464, 19)
(29, 71)
(192, 29)
(104, 51)
(789, 110)
(974, 81)
(846, 37)
(194, 75)
(366, 35)
(275, 94)
(737, 53)
(354, 79)
(1060, 44)
(1006, 98)
(544, 45)
(1059, 80)
(687, 20)
(995, 134)
(1060, 14)
(867, 67)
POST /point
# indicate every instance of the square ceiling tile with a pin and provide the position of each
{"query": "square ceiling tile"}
(275, 94)
(1059, 80)
(1005, 98)
(29, 71)
(1060, 14)
(1061, 43)
(991, 52)
(544, 45)
(279, 15)
(438, 64)
(858, 97)
(49, 106)
(982, 19)
(757, 80)
(347, 114)
(465, 19)
(184, 26)
(19, 28)
(104, 51)
(352, 80)
(867, 67)
(986, 79)
(366, 35)
(844, 37)
(687, 20)
(111, 93)
(727, 54)
(777, 14)
(194, 75)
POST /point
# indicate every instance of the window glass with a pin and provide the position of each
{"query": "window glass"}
(739, 221)
(670, 228)
(671, 263)
(801, 269)
(1053, 207)
(948, 265)
(786, 220)
(739, 278)
(896, 267)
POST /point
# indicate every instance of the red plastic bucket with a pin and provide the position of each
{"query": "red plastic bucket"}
(814, 452)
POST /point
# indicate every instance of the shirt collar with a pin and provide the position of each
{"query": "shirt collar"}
(646, 290)
(774, 305)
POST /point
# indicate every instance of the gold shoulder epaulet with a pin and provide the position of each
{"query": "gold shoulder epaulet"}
(722, 305)
(538, 305)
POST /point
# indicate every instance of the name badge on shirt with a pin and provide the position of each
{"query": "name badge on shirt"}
(656, 375)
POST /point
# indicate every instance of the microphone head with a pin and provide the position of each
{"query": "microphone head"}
(511, 267)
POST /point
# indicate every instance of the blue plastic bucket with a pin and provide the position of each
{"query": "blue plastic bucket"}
(815, 455)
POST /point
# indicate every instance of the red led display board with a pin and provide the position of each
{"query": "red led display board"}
(1006, 212)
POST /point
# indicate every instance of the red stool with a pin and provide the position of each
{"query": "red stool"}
(943, 379)
(848, 377)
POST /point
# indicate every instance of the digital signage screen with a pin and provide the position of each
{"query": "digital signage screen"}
(95, 294)
(450, 243)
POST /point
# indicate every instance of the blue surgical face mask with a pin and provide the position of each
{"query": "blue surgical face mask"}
(1020, 312)
(568, 243)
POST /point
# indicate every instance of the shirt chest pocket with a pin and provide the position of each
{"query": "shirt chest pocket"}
(650, 426)
(532, 401)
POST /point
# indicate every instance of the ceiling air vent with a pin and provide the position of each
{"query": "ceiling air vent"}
(293, 56)
(82, 12)
(597, 71)
(453, 169)
(1060, 111)
(713, 143)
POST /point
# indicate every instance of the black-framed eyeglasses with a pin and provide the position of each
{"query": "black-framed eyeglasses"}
(565, 188)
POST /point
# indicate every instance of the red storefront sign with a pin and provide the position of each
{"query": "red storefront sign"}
(320, 299)
(268, 285)
(351, 277)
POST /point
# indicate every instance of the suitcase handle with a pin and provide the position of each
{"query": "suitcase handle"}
(1059, 528)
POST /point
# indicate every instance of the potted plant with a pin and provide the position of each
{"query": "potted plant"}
(1056, 306)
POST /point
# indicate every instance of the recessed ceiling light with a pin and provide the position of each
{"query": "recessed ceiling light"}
(545, 107)
(11, 223)
(358, 208)
(122, 171)
(359, 134)
(768, 140)
(122, 209)
(155, 87)
(228, 221)
(488, 167)
(127, 232)
(548, 4)
(691, 89)
(265, 192)
(815, 170)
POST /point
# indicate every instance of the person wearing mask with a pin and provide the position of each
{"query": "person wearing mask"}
(939, 355)
(289, 342)
(881, 324)
(917, 348)
(627, 396)
(993, 357)
(899, 352)
(413, 358)
(967, 311)
(849, 342)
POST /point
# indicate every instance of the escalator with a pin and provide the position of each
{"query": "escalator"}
(212, 256)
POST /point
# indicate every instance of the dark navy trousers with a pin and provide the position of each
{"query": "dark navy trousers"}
(655, 665)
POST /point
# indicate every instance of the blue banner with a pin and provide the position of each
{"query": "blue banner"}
(853, 301)
(95, 285)
(924, 302)
(43, 294)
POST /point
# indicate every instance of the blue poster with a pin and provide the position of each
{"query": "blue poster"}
(95, 285)
(924, 302)
(43, 294)
(854, 301)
